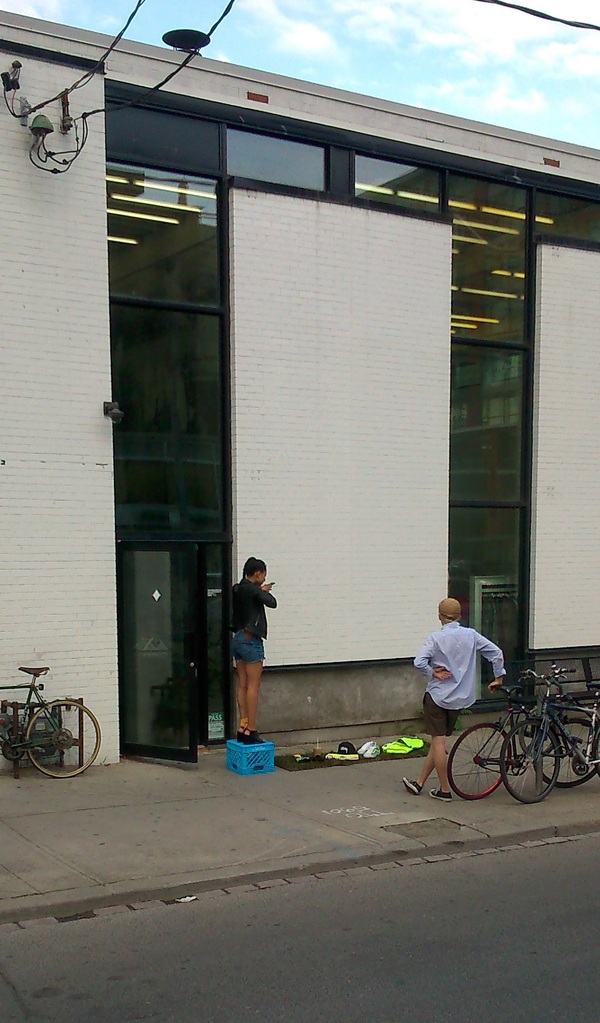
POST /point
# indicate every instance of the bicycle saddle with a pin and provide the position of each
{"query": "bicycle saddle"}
(35, 671)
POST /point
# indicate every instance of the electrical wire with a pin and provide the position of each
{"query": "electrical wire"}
(40, 156)
(542, 14)
(146, 93)
(222, 18)
(85, 78)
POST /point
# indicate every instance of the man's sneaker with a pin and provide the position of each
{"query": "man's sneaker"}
(412, 786)
(438, 794)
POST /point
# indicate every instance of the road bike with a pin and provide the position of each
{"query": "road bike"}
(60, 737)
(562, 730)
(474, 760)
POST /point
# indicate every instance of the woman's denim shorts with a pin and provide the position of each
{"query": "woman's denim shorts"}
(245, 649)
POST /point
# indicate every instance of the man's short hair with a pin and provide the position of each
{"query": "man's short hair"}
(449, 608)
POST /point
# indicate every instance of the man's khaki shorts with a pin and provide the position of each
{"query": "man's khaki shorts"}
(438, 720)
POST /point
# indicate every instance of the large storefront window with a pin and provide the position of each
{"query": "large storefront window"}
(485, 429)
(489, 245)
(398, 184)
(488, 259)
(162, 235)
(484, 573)
(166, 377)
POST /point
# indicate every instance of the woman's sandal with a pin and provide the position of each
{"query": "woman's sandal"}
(251, 738)
(243, 731)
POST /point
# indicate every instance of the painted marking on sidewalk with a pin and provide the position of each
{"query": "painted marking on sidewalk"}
(358, 811)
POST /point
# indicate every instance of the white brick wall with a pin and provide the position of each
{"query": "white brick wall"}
(566, 479)
(57, 573)
(341, 362)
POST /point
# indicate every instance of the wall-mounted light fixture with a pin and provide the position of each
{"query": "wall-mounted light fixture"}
(41, 126)
(114, 413)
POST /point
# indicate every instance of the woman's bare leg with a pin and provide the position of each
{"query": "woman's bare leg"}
(242, 693)
(253, 675)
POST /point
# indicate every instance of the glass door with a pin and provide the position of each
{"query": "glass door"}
(161, 622)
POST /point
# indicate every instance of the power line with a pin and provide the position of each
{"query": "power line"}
(90, 74)
(59, 162)
(542, 14)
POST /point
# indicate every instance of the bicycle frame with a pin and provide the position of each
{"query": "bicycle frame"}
(34, 702)
(572, 748)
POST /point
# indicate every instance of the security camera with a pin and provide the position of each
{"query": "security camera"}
(114, 413)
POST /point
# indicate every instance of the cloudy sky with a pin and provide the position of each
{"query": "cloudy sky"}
(458, 56)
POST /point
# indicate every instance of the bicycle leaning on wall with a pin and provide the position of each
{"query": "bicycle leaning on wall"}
(534, 750)
(474, 760)
(60, 737)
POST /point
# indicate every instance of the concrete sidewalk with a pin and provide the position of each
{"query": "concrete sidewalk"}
(137, 831)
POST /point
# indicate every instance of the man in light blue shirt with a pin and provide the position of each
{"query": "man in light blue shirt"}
(448, 659)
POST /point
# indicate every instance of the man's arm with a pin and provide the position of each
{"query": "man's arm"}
(494, 655)
(422, 661)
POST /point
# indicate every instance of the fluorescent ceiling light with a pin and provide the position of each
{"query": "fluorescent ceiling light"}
(374, 188)
(122, 241)
(466, 326)
(496, 212)
(486, 227)
(181, 189)
(156, 202)
(142, 216)
(491, 294)
(475, 319)
(473, 241)
(508, 273)
(419, 196)
(455, 252)
(143, 183)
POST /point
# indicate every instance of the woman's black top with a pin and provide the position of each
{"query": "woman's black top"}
(248, 608)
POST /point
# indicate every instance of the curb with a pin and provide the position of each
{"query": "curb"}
(65, 907)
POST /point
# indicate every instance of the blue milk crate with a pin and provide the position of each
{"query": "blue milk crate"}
(245, 759)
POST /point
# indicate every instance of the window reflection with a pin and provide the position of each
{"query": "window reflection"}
(162, 236)
(396, 183)
(488, 259)
(485, 439)
(280, 161)
(484, 574)
(568, 218)
(168, 449)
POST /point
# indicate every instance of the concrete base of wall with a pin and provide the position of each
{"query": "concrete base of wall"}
(340, 703)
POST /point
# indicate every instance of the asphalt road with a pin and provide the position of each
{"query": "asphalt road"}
(508, 937)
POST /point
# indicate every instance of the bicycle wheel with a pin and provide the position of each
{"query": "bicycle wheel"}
(530, 761)
(65, 738)
(596, 750)
(572, 771)
(474, 761)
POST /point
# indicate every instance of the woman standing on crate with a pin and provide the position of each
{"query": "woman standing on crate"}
(249, 625)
